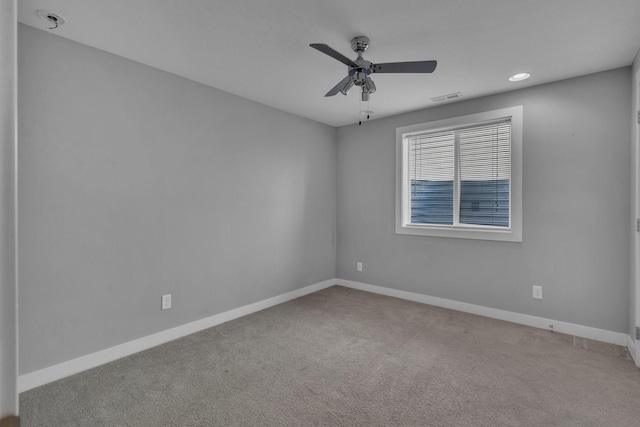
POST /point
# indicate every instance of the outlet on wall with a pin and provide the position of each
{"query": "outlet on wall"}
(166, 301)
(359, 266)
(537, 292)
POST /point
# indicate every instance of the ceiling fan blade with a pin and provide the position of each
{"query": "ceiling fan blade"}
(334, 54)
(406, 67)
(336, 88)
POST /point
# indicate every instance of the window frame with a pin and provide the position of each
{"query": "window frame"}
(466, 231)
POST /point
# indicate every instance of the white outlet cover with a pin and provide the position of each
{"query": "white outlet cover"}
(359, 266)
(166, 301)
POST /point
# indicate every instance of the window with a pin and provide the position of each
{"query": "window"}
(461, 177)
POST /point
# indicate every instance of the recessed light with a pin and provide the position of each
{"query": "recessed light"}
(518, 77)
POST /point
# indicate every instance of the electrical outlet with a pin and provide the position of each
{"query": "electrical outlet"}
(359, 266)
(166, 301)
(537, 292)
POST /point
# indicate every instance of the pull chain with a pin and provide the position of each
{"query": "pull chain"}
(366, 112)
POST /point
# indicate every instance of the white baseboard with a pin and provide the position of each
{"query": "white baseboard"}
(65, 369)
(633, 350)
(509, 316)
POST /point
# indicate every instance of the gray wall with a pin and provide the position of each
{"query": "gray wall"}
(635, 203)
(576, 190)
(8, 289)
(136, 183)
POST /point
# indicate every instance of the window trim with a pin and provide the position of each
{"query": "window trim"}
(514, 234)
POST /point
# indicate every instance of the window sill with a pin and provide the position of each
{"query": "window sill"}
(462, 233)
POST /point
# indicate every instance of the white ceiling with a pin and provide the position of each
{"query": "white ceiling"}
(259, 49)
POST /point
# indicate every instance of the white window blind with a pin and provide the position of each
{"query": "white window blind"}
(460, 177)
(431, 178)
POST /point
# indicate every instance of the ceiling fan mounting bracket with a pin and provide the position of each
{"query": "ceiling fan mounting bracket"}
(360, 44)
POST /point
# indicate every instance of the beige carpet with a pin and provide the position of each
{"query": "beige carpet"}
(342, 357)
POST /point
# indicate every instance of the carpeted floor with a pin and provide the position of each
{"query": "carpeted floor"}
(342, 357)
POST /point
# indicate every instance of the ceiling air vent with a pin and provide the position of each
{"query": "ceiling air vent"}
(448, 97)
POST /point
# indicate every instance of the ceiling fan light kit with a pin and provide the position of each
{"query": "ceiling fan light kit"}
(359, 70)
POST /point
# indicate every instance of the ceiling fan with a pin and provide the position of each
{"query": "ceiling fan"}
(360, 69)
